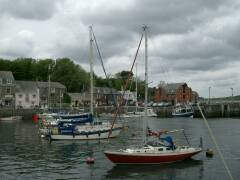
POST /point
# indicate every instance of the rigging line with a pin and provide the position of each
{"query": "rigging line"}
(215, 142)
(125, 87)
(186, 138)
(101, 61)
(128, 96)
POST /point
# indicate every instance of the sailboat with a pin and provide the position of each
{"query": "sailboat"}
(157, 152)
(87, 131)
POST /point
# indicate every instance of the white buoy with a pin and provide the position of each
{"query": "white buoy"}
(90, 160)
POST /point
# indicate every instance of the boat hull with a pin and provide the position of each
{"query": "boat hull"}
(129, 158)
(11, 118)
(190, 114)
(92, 136)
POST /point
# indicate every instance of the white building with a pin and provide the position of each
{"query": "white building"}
(129, 96)
(26, 95)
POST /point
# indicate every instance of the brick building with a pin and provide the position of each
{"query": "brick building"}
(175, 93)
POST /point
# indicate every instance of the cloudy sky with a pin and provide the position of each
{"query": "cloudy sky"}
(196, 42)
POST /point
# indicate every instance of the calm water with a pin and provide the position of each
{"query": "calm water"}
(23, 155)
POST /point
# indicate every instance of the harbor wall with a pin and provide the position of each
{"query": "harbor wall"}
(25, 113)
(209, 110)
(216, 110)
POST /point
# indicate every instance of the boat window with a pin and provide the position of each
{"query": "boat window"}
(168, 148)
(160, 149)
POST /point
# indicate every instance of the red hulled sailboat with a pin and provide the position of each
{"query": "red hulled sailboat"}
(155, 152)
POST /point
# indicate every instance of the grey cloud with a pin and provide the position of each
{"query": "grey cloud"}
(186, 38)
(28, 9)
(166, 16)
(20, 45)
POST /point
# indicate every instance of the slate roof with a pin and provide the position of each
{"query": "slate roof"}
(41, 84)
(6, 75)
(26, 86)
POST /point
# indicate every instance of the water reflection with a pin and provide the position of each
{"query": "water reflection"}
(192, 169)
(24, 155)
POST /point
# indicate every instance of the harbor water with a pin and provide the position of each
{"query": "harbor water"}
(24, 155)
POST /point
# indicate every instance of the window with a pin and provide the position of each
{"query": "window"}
(34, 95)
(160, 149)
(168, 149)
(9, 81)
(184, 88)
(20, 95)
(53, 90)
(8, 90)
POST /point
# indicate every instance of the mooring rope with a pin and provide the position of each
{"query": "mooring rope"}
(215, 142)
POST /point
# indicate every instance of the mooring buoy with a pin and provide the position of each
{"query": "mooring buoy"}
(209, 153)
(90, 160)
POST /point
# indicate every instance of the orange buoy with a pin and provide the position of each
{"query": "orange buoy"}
(90, 160)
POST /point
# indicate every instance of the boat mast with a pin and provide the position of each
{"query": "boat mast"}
(146, 83)
(49, 85)
(91, 68)
(136, 90)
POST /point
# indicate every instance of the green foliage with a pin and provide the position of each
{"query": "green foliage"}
(65, 71)
(71, 75)
(66, 98)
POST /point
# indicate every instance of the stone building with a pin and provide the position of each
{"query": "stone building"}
(174, 93)
(105, 96)
(79, 99)
(50, 94)
(7, 89)
(102, 96)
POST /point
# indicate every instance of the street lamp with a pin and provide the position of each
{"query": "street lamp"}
(209, 91)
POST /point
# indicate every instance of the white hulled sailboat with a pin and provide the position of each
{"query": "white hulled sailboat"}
(88, 131)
